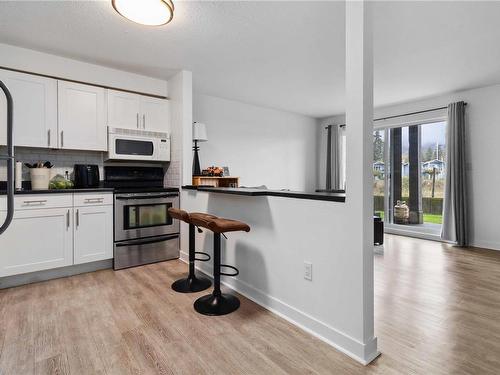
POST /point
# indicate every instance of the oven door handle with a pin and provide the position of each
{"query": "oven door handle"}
(148, 196)
(146, 241)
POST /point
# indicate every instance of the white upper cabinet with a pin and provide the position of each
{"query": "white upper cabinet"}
(155, 114)
(82, 116)
(134, 111)
(35, 109)
(124, 109)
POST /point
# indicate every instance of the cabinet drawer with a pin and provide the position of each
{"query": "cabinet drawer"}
(93, 199)
(37, 201)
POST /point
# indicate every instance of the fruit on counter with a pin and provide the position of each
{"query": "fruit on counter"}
(59, 182)
(213, 171)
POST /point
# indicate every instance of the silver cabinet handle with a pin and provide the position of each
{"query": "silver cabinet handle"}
(77, 218)
(94, 200)
(48, 137)
(137, 119)
(144, 121)
(62, 138)
(40, 201)
(67, 220)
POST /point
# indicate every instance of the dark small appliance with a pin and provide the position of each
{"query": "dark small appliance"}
(86, 176)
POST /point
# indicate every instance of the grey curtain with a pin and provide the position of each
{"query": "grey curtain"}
(455, 216)
(333, 158)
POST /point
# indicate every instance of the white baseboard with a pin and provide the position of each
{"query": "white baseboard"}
(486, 245)
(362, 353)
(415, 234)
(54, 273)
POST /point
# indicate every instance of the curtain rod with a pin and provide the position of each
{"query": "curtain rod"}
(404, 114)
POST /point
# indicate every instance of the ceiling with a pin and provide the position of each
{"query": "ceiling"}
(285, 55)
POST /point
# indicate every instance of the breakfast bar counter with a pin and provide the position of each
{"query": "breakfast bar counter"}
(291, 232)
(257, 192)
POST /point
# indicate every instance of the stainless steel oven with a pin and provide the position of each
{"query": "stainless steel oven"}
(144, 231)
(146, 250)
(139, 215)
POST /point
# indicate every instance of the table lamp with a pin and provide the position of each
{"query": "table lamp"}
(199, 135)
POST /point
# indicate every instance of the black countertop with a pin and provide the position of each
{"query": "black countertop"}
(99, 189)
(321, 196)
(61, 191)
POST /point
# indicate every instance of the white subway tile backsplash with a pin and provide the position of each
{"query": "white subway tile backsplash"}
(64, 160)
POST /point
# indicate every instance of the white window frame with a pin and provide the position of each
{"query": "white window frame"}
(386, 125)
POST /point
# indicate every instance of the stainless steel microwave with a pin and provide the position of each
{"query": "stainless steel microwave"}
(140, 145)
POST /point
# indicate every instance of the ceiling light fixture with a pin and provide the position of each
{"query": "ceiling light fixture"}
(146, 12)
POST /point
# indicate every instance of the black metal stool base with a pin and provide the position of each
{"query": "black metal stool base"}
(217, 305)
(191, 284)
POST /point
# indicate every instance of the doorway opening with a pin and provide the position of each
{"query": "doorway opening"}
(409, 169)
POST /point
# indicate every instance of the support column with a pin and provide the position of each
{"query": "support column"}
(359, 185)
(415, 182)
(396, 165)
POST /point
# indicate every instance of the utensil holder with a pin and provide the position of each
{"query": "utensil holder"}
(40, 178)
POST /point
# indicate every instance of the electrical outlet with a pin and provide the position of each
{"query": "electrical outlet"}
(308, 271)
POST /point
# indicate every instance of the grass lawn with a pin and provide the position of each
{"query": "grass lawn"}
(435, 219)
(428, 218)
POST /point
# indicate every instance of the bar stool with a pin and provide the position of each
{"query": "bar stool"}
(192, 283)
(218, 303)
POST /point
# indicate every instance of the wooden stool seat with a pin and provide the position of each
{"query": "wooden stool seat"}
(221, 225)
(217, 224)
(182, 215)
(179, 214)
(201, 219)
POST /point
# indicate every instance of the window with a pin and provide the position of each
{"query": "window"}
(409, 168)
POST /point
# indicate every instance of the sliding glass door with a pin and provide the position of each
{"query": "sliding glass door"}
(408, 176)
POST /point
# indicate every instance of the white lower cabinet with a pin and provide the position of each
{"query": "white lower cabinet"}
(48, 231)
(37, 239)
(93, 238)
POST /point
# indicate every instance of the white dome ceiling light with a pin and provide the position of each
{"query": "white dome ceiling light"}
(146, 12)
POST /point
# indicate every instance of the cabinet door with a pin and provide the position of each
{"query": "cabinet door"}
(35, 109)
(124, 110)
(82, 116)
(155, 114)
(36, 240)
(93, 233)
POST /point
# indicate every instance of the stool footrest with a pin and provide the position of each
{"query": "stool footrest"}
(236, 273)
(208, 257)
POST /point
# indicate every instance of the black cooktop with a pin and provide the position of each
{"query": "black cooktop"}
(126, 179)
(129, 190)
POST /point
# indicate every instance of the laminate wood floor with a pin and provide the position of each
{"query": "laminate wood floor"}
(437, 312)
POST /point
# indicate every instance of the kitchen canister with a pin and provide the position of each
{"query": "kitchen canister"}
(40, 178)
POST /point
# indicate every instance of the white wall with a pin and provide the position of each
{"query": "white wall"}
(262, 146)
(181, 110)
(44, 63)
(483, 121)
